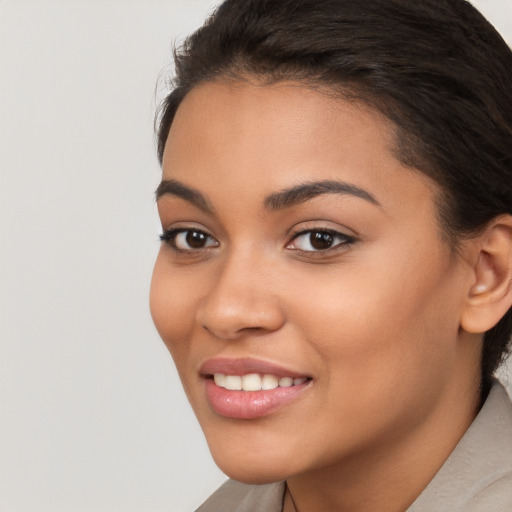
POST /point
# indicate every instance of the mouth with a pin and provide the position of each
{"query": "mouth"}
(256, 382)
(249, 389)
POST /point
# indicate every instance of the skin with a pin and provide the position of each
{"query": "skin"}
(375, 322)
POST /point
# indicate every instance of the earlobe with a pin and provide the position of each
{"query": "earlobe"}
(490, 295)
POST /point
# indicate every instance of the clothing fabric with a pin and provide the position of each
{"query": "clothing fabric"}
(476, 477)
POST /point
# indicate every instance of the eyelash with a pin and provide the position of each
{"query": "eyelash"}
(344, 241)
(169, 237)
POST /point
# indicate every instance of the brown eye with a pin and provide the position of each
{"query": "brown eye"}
(187, 240)
(319, 240)
(196, 239)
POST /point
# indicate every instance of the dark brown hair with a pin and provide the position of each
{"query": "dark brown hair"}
(436, 68)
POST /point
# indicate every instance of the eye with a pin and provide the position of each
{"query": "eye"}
(186, 240)
(318, 240)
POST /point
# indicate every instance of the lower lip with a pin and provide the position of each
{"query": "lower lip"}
(248, 405)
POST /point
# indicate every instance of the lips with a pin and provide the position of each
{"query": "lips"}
(250, 388)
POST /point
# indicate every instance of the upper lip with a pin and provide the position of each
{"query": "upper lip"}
(244, 366)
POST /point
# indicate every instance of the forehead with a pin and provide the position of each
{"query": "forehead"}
(284, 112)
(262, 138)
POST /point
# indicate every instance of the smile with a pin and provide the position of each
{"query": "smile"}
(250, 405)
(255, 382)
(250, 388)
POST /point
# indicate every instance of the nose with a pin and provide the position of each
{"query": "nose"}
(242, 299)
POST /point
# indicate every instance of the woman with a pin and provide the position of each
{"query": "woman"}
(335, 278)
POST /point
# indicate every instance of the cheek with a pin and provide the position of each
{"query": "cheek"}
(376, 343)
(391, 320)
(171, 306)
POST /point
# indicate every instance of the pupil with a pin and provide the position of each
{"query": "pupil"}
(196, 239)
(321, 240)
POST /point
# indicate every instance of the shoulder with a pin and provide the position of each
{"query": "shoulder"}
(478, 474)
(237, 497)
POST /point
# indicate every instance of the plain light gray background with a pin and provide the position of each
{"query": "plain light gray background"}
(92, 415)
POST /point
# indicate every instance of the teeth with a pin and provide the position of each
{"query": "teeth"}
(233, 382)
(285, 382)
(220, 379)
(251, 382)
(255, 382)
(269, 382)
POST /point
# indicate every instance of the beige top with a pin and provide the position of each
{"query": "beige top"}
(476, 477)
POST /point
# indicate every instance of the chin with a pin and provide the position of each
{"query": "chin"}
(252, 475)
(251, 466)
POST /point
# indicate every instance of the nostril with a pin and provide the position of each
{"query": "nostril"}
(235, 333)
(230, 320)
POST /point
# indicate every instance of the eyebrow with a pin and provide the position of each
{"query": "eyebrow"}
(277, 201)
(178, 189)
(306, 191)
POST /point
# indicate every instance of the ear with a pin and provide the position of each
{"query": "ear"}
(490, 295)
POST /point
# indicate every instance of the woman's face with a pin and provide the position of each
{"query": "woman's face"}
(296, 246)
